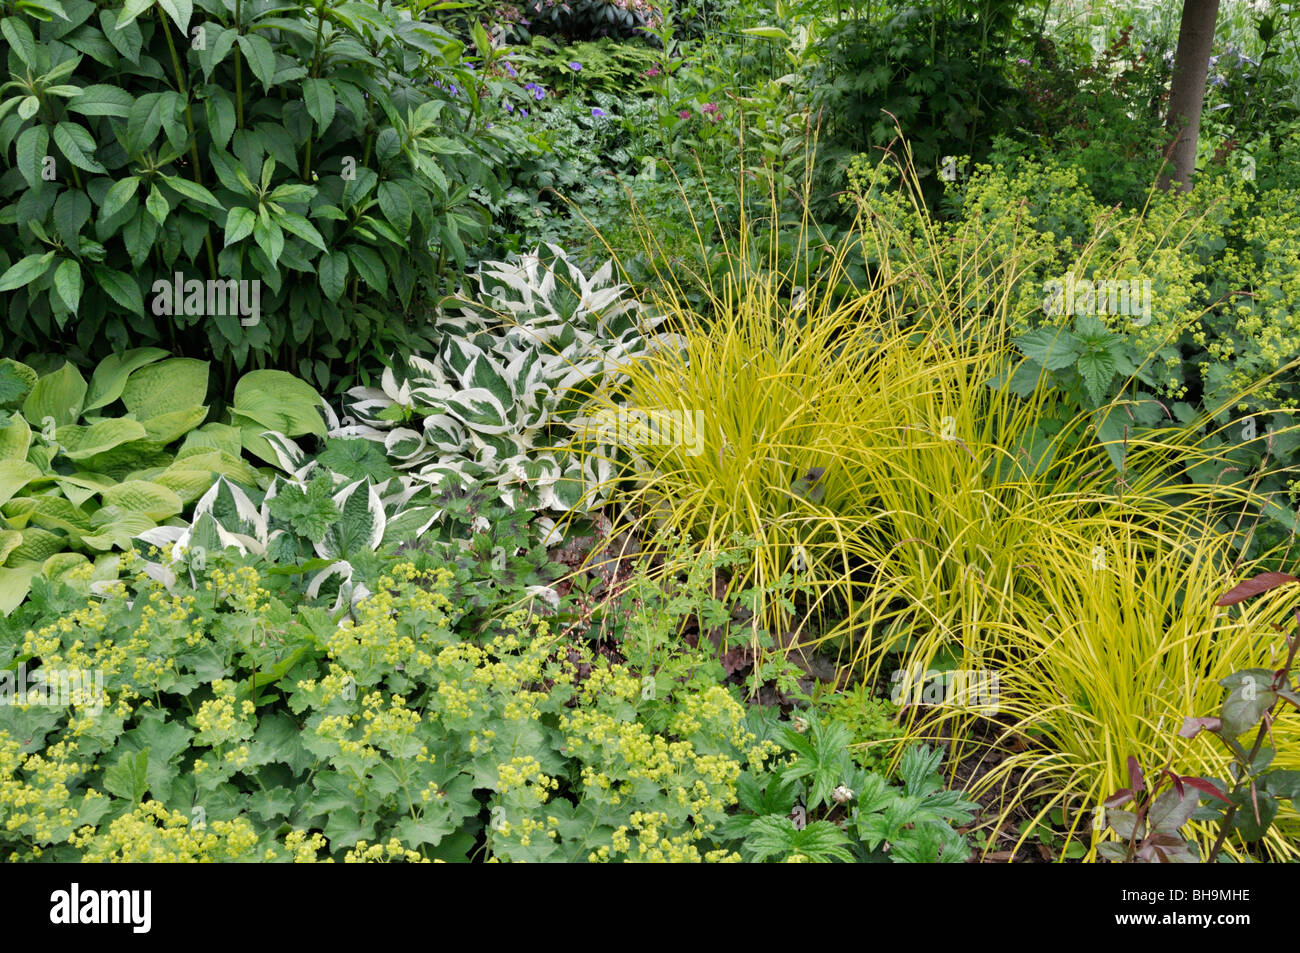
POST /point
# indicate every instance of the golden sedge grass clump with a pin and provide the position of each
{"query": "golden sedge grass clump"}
(870, 443)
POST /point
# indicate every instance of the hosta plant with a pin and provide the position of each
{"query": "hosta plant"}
(508, 391)
(85, 466)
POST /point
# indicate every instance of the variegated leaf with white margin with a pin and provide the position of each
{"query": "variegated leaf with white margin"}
(404, 444)
(289, 456)
(360, 525)
(397, 393)
(480, 410)
(350, 593)
(233, 512)
(445, 434)
(367, 402)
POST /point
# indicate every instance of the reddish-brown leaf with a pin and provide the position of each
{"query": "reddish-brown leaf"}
(1254, 586)
(1207, 787)
(1194, 726)
(1136, 781)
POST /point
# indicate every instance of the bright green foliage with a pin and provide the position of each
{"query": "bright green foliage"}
(869, 722)
(816, 805)
(1188, 315)
(293, 737)
(87, 466)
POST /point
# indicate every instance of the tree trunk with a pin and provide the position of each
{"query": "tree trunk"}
(1187, 90)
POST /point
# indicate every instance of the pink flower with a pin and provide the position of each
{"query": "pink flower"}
(684, 114)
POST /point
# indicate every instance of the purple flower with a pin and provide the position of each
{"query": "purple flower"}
(538, 92)
(575, 66)
(510, 107)
(511, 70)
(524, 113)
(598, 112)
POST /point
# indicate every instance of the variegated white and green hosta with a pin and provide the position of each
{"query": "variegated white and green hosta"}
(372, 515)
(503, 398)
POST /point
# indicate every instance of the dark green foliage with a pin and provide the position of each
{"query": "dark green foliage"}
(940, 69)
(307, 148)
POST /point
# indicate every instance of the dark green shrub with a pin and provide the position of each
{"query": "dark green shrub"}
(939, 68)
(333, 154)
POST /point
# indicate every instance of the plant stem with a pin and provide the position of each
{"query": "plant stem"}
(189, 126)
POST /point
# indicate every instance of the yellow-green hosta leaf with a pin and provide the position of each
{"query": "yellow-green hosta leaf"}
(57, 396)
(136, 496)
(10, 539)
(76, 495)
(84, 479)
(212, 436)
(278, 401)
(189, 485)
(18, 512)
(116, 528)
(165, 428)
(14, 475)
(37, 546)
(26, 375)
(41, 456)
(15, 583)
(126, 459)
(60, 564)
(110, 376)
(50, 512)
(81, 443)
(178, 383)
(15, 437)
(220, 463)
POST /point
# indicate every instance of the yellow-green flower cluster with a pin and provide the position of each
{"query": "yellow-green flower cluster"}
(392, 853)
(152, 834)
